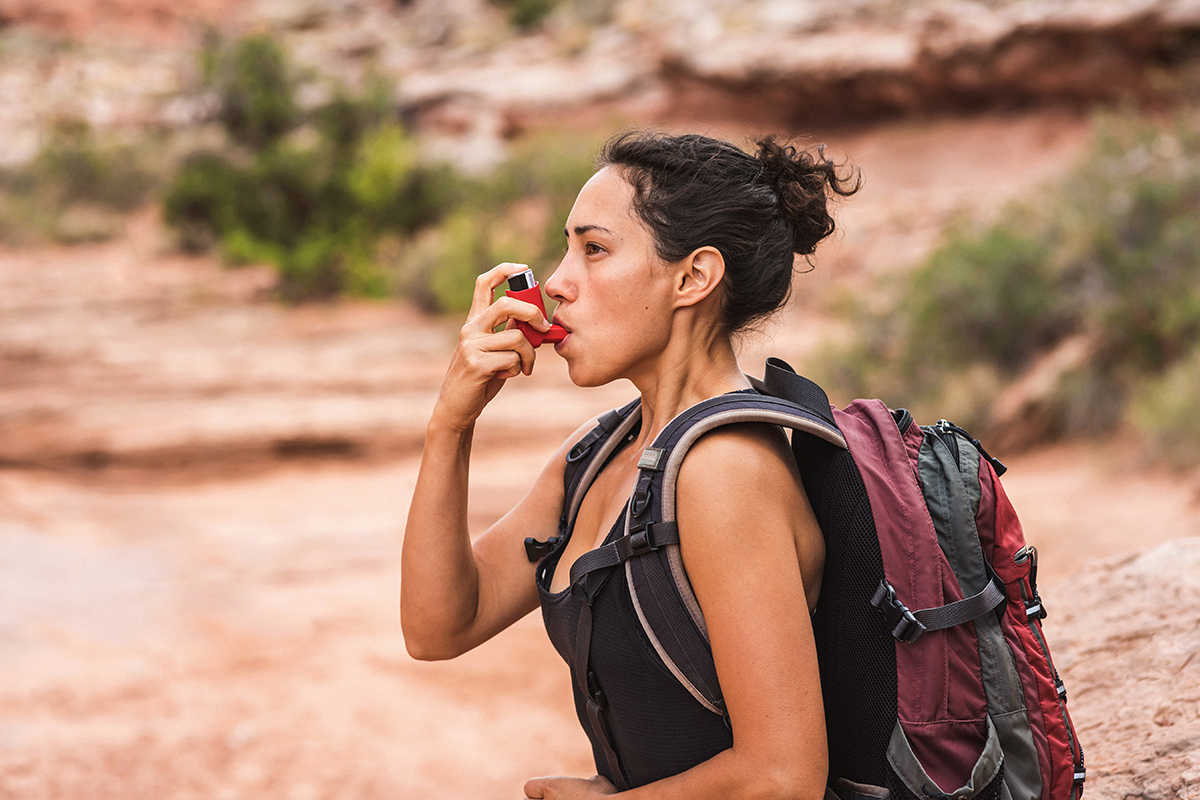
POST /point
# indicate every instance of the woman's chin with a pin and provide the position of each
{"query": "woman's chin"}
(580, 375)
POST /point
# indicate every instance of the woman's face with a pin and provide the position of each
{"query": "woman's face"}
(614, 293)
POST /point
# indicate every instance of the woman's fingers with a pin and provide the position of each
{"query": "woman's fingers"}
(535, 789)
(482, 332)
(487, 284)
(486, 357)
(508, 340)
(504, 309)
(560, 788)
(495, 363)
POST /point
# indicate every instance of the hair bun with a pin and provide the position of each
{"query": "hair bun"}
(802, 181)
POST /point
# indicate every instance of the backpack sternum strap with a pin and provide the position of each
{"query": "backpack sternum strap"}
(637, 541)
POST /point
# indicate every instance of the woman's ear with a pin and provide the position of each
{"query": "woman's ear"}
(699, 275)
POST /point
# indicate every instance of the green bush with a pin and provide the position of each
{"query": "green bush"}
(346, 119)
(257, 91)
(76, 169)
(202, 202)
(345, 204)
(76, 189)
(1164, 412)
(995, 290)
(1112, 254)
(527, 14)
(315, 204)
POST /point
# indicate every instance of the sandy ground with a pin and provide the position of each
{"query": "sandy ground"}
(203, 499)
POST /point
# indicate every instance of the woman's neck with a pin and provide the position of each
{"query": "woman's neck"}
(690, 370)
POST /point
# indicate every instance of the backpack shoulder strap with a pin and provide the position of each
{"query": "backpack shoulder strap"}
(649, 549)
(591, 453)
(584, 461)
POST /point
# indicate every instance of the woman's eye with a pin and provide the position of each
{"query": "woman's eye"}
(592, 249)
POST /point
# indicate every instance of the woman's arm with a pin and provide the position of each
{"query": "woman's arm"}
(749, 541)
(455, 594)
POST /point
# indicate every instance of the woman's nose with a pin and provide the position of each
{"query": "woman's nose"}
(555, 284)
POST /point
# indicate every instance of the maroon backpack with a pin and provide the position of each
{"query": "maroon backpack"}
(936, 675)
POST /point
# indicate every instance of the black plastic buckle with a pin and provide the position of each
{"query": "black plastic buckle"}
(904, 626)
(535, 551)
(1035, 609)
(640, 542)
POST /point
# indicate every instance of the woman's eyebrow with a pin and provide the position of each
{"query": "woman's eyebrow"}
(580, 230)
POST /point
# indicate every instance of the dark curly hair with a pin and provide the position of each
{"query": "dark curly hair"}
(757, 210)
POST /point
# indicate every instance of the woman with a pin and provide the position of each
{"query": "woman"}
(674, 246)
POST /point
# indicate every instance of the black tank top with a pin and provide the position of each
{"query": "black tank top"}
(657, 728)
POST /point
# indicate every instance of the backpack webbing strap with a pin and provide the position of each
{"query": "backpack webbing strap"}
(642, 539)
(672, 632)
(780, 380)
(907, 626)
(679, 436)
(591, 453)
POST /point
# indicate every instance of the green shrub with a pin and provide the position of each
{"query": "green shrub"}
(347, 119)
(76, 169)
(338, 204)
(995, 291)
(1164, 412)
(1112, 255)
(202, 202)
(76, 189)
(527, 14)
(451, 282)
(256, 88)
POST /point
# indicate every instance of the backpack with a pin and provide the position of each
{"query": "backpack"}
(936, 676)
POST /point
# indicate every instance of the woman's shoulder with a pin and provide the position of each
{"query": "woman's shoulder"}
(742, 452)
(744, 466)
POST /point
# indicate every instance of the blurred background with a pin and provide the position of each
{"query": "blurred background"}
(237, 238)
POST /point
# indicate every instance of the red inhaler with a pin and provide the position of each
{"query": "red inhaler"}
(524, 286)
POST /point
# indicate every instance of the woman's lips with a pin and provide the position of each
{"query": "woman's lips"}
(559, 326)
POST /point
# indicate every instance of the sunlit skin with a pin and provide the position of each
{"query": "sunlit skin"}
(632, 315)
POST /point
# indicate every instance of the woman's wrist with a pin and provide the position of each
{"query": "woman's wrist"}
(446, 428)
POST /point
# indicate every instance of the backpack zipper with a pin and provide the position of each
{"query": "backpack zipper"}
(1035, 611)
(947, 429)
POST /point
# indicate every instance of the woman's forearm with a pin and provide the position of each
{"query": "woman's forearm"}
(730, 776)
(439, 585)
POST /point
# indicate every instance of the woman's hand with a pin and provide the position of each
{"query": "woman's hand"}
(485, 358)
(558, 788)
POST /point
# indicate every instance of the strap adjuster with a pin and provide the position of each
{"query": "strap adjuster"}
(904, 626)
(640, 542)
(581, 449)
